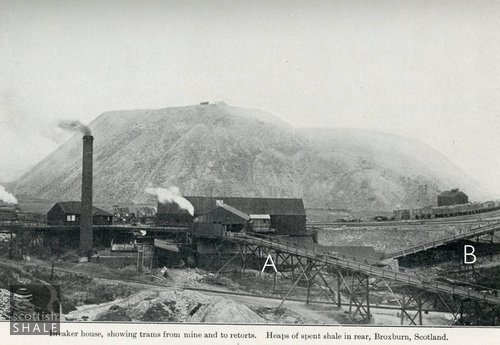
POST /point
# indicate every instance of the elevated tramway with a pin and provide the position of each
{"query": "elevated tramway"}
(472, 232)
(357, 279)
(365, 268)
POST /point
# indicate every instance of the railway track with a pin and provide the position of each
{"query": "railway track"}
(438, 221)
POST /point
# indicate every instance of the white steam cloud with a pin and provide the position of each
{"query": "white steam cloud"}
(75, 126)
(171, 195)
(6, 196)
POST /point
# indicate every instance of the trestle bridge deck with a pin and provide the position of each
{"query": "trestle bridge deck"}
(356, 279)
(472, 232)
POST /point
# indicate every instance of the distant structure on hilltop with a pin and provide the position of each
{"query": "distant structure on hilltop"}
(452, 197)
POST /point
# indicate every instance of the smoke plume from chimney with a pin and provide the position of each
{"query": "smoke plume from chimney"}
(171, 195)
(75, 126)
(6, 196)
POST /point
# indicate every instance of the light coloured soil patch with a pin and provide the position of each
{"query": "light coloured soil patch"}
(385, 317)
(169, 306)
(226, 311)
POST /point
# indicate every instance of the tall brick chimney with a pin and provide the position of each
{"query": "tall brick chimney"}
(86, 236)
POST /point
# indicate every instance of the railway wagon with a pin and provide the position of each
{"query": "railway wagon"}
(488, 205)
(458, 210)
(423, 213)
(446, 211)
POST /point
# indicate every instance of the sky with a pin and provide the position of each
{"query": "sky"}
(427, 70)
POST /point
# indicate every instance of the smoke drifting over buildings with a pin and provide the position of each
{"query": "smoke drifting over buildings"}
(6, 196)
(171, 195)
(75, 126)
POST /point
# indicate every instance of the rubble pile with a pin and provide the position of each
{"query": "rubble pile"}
(170, 306)
(284, 316)
(226, 311)
(186, 276)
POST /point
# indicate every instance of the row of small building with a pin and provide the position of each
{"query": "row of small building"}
(213, 217)
(285, 216)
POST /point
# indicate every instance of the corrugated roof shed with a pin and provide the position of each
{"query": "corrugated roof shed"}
(271, 206)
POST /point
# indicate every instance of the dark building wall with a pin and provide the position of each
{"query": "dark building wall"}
(289, 225)
(448, 199)
(287, 215)
(6, 215)
(207, 230)
(462, 198)
(102, 220)
(165, 219)
(61, 219)
(57, 216)
(221, 216)
(284, 225)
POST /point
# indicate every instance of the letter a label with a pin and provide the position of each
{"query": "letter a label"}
(269, 263)
(468, 254)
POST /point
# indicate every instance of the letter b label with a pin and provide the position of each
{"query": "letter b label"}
(469, 257)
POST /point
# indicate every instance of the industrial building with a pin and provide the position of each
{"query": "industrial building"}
(229, 217)
(452, 197)
(283, 216)
(69, 213)
(124, 214)
(8, 212)
(145, 211)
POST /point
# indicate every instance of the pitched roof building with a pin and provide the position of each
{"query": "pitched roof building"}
(203, 204)
(68, 213)
(452, 197)
(229, 217)
(287, 215)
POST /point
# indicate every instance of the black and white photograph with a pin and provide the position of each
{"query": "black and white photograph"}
(268, 163)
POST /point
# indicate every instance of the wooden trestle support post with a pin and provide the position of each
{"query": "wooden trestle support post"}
(411, 305)
(357, 288)
(317, 277)
(296, 268)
